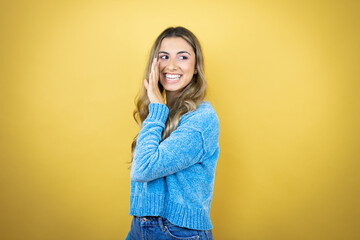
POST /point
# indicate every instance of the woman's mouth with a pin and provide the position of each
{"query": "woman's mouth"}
(172, 77)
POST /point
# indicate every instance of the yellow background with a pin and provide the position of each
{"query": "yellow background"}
(283, 77)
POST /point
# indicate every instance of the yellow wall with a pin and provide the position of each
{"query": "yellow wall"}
(283, 77)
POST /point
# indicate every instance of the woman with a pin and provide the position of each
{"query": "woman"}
(176, 150)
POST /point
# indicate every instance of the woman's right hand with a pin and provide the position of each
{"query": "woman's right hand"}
(151, 86)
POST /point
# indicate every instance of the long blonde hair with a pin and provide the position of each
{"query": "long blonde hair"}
(189, 98)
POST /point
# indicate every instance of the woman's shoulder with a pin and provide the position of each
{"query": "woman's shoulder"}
(205, 105)
(205, 108)
(204, 116)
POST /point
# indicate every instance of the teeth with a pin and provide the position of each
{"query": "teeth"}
(172, 76)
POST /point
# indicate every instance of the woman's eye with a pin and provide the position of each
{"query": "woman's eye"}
(163, 57)
(183, 57)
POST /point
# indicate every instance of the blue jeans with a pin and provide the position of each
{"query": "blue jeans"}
(158, 228)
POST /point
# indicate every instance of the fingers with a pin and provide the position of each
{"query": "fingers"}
(151, 79)
(146, 84)
(154, 75)
(157, 71)
(153, 64)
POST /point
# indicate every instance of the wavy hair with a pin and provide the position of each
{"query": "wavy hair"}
(189, 98)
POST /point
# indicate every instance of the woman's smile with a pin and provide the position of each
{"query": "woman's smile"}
(172, 78)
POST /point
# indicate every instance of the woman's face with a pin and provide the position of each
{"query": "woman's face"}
(176, 64)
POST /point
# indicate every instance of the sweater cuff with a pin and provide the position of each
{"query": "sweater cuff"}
(158, 111)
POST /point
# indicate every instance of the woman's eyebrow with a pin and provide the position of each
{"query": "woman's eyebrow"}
(184, 52)
(177, 53)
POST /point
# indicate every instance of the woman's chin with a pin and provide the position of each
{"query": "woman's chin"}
(171, 90)
(171, 87)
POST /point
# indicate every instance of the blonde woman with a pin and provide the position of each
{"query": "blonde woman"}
(176, 151)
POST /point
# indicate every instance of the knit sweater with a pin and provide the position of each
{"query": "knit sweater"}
(174, 178)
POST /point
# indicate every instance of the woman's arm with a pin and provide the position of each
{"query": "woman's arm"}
(183, 148)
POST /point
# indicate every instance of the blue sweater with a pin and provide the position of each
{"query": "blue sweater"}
(174, 178)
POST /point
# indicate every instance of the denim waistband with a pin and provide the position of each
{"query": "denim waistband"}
(164, 224)
(153, 221)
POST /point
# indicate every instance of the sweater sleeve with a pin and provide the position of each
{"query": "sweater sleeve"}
(155, 159)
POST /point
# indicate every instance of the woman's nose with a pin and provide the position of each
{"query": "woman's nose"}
(172, 64)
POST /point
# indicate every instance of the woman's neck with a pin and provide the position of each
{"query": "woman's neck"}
(171, 98)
